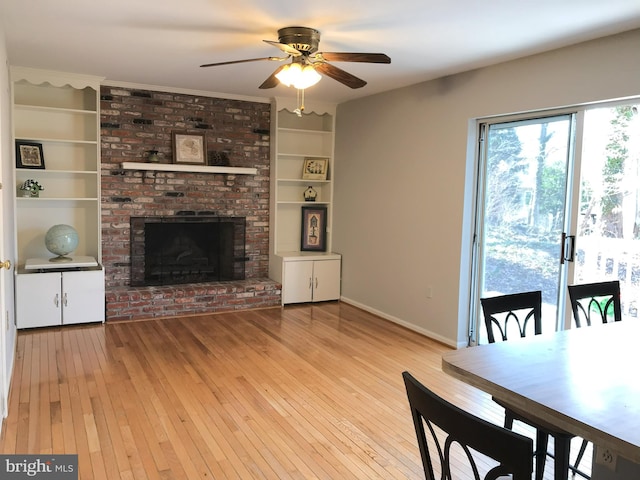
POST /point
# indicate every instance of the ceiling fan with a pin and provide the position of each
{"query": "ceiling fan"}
(301, 45)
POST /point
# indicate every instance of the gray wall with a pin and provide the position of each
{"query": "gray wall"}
(404, 172)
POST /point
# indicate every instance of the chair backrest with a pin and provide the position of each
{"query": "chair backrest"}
(451, 428)
(514, 309)
(595, 301)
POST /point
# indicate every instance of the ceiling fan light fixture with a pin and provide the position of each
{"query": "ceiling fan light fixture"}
(298, 76)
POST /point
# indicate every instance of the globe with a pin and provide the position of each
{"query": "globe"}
(61, 240)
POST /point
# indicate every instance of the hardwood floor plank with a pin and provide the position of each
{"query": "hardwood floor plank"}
(302, 392)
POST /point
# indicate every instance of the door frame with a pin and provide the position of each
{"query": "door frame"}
(8, 330)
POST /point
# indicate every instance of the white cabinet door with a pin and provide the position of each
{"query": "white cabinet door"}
(311, 281)
(38, 301)
(297, 284)
(82, 297)
(326, 280)
(57, 298)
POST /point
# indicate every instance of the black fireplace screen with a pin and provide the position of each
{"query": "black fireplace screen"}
(190, 249)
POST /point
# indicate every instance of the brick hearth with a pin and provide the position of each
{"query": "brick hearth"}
(133, 122)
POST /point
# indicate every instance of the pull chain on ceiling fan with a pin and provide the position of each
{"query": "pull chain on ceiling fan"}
(300, 44)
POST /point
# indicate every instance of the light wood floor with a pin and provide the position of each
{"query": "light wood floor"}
(302, 392)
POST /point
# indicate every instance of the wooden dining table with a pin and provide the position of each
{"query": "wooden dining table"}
(585, 381)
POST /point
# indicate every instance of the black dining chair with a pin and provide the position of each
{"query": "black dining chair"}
(598, 301)
(521, 313)
(450, 429)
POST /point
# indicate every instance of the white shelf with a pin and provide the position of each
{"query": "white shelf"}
(301, 155)
(46, 263)
(166, 167)
(35, 138)
(39, 108)
(300, 180)
(57, 199)
(50, 171)
(302, 202)
(298, 255)
(306, 130)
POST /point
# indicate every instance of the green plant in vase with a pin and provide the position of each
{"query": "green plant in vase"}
(31, 188)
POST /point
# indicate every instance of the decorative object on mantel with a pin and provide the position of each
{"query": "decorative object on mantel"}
(29, 155)
(315, 168)
(310, 194)
(61, 240)
(220, 159)
(153, 156)
(189, 148)
(31, 188)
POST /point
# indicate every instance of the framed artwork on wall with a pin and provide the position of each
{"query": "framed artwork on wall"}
(314, 229)
(29, 155)
(189, 148)
(315, 168)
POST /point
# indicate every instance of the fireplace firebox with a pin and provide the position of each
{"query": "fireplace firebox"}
(187, 249)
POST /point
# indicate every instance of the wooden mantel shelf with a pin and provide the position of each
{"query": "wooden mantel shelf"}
(170, 167)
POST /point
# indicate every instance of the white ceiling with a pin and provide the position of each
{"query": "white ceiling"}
(163, 43)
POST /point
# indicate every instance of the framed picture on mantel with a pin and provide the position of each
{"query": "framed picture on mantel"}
(189, 148)
(314, 229)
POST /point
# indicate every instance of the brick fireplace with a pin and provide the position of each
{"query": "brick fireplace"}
(135, 122)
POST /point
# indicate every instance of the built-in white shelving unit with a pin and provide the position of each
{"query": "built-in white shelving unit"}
(295, 138)
(60, 113)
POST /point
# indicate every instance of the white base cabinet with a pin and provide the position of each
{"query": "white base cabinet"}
(59, 298)
(309, 278)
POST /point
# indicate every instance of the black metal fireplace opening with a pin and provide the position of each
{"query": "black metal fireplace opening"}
(187, 249)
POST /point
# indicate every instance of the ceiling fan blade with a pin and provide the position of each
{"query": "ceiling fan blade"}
(279, 59)
(289, 50)
(353, 57)
(340, 75)
(272, 81)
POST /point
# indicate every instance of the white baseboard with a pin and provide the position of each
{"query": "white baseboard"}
(410, 326)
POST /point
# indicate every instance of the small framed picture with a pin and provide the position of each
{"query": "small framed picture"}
(314, 229)
(29, 155)
(315, 168)
(189, 148)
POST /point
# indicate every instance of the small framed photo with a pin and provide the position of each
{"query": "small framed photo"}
(314, 229)
(29, 155)
(315, 168)
(189, 148)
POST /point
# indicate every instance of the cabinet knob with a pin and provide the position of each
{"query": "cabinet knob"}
(6, 264)
(56, 300)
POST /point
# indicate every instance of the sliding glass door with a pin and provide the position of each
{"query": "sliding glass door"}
(521, 215)
(558, 202)
(608, 226)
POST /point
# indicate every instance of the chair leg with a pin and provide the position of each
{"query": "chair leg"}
(562, 447)
(542, 439)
